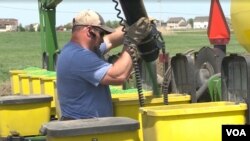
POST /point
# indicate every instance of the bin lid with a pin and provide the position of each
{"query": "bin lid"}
(193, 109)
(89, 126)
(149, 99)
(26, 70)
(130, 95)
(23, 75)
(37, 73)
(17, 71)
(23, 99)
(43, 74)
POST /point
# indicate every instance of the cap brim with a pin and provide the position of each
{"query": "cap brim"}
(107, 29)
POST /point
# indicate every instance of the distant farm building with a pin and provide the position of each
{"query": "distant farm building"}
(177, 23)
(201, 22)
(8, 25)
(32, 27)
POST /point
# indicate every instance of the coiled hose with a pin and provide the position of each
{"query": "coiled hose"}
(121, 22)
(133, 53)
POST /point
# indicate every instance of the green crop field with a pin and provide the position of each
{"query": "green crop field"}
(23, 49)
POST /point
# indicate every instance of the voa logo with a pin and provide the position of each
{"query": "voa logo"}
(236, 132)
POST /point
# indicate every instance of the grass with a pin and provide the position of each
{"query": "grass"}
(180, 42)
(23, 49)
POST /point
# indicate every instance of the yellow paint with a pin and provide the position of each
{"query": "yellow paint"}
(240, 13)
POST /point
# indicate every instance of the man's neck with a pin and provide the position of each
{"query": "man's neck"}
(81, 42)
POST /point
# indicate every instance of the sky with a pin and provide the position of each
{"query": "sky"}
(26, 11)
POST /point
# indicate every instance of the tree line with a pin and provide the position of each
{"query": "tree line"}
(68, 26)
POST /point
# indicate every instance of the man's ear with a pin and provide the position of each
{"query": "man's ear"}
(92, 34)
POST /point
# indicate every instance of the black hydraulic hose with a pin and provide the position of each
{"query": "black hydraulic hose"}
(132, 52)
(165, 85)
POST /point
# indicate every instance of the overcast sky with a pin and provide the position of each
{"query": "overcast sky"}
(26, 11)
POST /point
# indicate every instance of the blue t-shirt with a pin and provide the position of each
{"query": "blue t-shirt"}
(79, 72)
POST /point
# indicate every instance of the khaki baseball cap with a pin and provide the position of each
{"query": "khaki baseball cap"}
(91, 18)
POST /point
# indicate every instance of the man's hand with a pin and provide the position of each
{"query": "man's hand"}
(137, 32)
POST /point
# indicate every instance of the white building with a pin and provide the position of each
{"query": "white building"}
(201, 22)
(177, 23)
(34, 26)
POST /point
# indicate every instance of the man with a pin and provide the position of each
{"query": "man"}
(83, 76)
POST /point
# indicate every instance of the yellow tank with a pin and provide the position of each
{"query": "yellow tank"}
(190, 122)
(23, 114)
(240, 13)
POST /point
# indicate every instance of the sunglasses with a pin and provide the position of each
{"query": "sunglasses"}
(100, 31)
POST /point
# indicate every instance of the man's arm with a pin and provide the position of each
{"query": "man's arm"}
(121, 69)
(114, 39)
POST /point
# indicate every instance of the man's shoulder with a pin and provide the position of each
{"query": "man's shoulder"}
(70, 46)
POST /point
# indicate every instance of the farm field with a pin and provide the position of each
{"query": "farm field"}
(23, 49)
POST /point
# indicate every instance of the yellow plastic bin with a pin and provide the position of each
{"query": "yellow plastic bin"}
(23, 114)
(47, 87)
(190, 122)
(14, 78)
(35, 84)
(24, 84)
(25, 81)
(96, 129)
(35, 81)
(127, 105)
